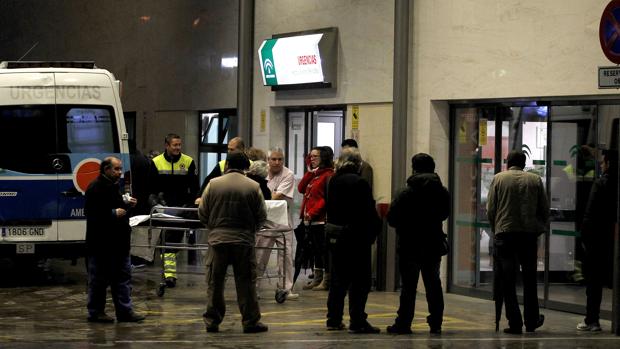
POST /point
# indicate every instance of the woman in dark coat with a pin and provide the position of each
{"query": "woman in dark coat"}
(352, 227)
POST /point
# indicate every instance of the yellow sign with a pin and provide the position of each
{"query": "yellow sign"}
(463, 132)
(263, 120)
(482, 132)
(355, 123)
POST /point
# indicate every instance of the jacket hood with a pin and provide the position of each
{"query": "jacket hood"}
(423, 180)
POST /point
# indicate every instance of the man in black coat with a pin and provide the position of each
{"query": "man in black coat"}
(597, 234)
(107, 245)
(417, 213)
(351, 228)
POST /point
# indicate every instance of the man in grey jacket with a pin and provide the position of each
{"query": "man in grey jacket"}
(233, 209)
(518, 212)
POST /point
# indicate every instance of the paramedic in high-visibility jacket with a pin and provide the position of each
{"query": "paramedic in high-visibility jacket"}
(174, 183)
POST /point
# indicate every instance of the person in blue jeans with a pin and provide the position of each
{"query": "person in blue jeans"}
(107, 244)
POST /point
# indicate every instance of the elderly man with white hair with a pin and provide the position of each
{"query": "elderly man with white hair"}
(281, 182)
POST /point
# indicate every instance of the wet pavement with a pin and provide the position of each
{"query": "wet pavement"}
(44, 306)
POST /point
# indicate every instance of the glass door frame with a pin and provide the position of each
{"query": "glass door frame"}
(310, 125)
(451, 287)
(224, 134)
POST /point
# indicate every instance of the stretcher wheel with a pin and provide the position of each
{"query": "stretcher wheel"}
(281, 296)
(161, 290)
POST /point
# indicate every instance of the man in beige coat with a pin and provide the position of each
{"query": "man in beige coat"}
(233, 209)
(518, 212)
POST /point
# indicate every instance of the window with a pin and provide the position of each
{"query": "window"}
(89, 129)
(29, 136)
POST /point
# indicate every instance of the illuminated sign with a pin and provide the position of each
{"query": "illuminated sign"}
(307, 60)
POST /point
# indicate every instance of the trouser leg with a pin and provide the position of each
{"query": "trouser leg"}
(121, 286)
(285, 258)
(434, 293)
(317, 233)
(339, 284)
(97, 285)
(244, 268)
(215, 273)
(359, 268)
(594, 288)
(528, 258)
(264, 243)
(409, 274)
(170, 255)
(510, 267)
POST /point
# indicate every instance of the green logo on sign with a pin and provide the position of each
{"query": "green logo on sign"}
(268, 64)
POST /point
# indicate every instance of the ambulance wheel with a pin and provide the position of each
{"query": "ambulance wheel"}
(281, 296)
(161, 290)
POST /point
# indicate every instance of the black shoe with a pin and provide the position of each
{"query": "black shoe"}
(435, 330)
(101, 318)
(259, 327)
(130, 317)
(513, 330)
(336, 327)
(364, 328)
(540, 322)
(397, 329)
(171, 282)
(213, 328)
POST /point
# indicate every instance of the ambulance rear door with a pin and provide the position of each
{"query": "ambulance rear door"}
(87, 133)
(29, 164)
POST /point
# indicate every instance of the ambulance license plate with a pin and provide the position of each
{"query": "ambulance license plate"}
(24, 249)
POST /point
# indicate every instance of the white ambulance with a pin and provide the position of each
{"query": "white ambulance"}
(58, 120)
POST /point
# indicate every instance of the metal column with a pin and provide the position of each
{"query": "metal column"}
(244, 70)
(399, 123)
(615, 303)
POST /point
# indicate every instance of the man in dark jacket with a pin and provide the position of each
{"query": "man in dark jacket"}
(351, 228)
(107, 243)
(597, 233)
(417, 213)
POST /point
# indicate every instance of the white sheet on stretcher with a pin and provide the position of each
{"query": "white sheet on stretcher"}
(277, 221)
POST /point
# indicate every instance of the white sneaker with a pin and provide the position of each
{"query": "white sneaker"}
(292, 295)
(593, 327)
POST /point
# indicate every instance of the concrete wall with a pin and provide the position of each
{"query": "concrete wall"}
(480, 49)
(374, 139)
(365, 29)
(167, 53)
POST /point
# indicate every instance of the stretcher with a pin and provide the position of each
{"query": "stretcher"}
(149, 236)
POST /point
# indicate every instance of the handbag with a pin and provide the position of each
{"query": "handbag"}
(334, 232)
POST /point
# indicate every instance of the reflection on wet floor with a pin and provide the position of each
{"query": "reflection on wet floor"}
(44, 305)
